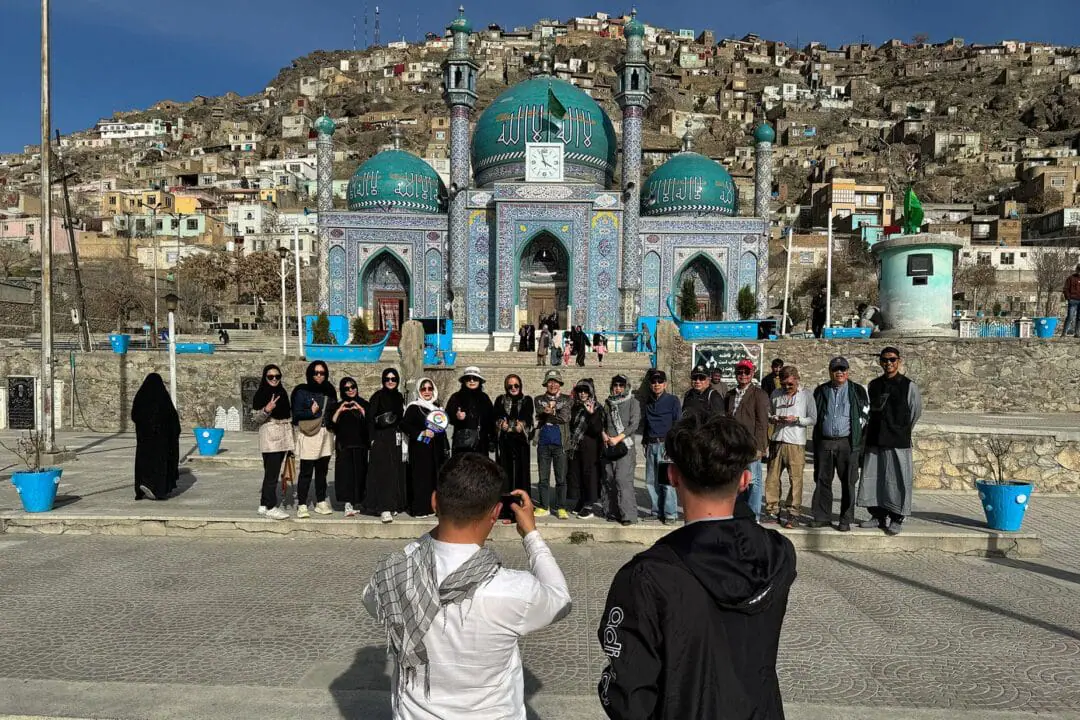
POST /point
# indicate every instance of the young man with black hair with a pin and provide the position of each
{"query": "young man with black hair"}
(452, 614)
(692, 625)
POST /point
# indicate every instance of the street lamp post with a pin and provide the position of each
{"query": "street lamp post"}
(171, 301)
(283, 253)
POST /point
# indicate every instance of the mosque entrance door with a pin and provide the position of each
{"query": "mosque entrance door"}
(542, 279)
(708, 287)
(385, 288)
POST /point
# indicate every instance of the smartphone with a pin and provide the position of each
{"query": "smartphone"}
(662, 472)
(508, 501)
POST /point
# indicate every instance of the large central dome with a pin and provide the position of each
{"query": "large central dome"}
(521, 114)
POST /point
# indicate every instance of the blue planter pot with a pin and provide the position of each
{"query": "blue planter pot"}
(1004, 505)
(449, 358)
(208, 440)
(37, 490)
(1045, 327)
(119, 343)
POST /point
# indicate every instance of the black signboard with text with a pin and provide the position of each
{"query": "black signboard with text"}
(725, 355)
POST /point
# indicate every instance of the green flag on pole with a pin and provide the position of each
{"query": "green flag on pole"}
(913, 213)
(555, 108)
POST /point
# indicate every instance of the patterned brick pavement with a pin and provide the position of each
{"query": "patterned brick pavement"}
(283, 618)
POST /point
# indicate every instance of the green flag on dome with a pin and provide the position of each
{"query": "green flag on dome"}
(554, 106)
(913, 213)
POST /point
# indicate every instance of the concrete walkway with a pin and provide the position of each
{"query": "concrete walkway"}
(217, 497)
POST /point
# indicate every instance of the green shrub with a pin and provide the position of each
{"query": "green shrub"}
(688, 307)
(361, 334)
(320, 331)
(746, 304)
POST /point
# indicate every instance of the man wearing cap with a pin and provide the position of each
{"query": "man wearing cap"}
(701, 398)
(661, 412)
(791, 411)
(771, 382)
(749, 405)
(888, 473)
(842, 409)
(552, 419)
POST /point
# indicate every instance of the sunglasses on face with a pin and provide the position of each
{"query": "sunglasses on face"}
(273, 377)
(427, 388)
(890, 359)
(657, 382)
(513, 387)
(742, 372)
(618, 384)
(350, 388)
(700, 378)
(391, 379)
(319, 372)
(788, 385)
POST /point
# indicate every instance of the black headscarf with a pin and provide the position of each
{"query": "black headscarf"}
(387, 400)
(323, 387)
(152, 405)
(281, 411)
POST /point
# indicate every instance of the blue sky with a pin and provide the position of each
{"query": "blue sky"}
(113, 55)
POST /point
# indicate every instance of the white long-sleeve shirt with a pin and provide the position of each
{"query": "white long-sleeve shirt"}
(473, 654)
(801, 405)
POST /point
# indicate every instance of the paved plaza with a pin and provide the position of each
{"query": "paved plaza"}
(97, 626)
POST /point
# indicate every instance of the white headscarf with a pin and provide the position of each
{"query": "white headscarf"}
(426, 405)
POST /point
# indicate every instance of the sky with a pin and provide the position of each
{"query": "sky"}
(110, 55)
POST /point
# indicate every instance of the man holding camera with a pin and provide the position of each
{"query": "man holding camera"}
(692, 625)
(451, 612)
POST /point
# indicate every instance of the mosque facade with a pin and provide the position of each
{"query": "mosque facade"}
(535, 220)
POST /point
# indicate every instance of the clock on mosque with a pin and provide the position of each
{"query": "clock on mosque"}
(544, 162)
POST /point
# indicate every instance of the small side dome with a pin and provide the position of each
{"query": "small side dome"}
(396, 181)
(689, 184)
(460, 24)
(764, 133)
(325, 126)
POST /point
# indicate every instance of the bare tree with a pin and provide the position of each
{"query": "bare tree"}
(12, 256)
(977, 279)
(1050, 266)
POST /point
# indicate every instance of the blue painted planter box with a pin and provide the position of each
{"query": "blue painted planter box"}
(194, 348)
(719, 330)
(344, 353)
(844, 332)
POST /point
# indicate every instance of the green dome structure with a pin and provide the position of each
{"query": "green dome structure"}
(689, 184)
(764, 133)
(522, 114)
(634, 28)
(396, 181)
(325, 126)
(460, 24)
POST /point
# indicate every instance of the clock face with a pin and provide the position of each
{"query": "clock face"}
(544, 162)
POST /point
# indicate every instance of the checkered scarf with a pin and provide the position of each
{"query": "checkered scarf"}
(408, 599)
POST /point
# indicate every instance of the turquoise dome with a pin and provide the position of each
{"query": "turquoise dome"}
(325, 126)
(689, 184)
(634, 28)
(460, 23)
(763, 133)
(396, 181)
(520, 113)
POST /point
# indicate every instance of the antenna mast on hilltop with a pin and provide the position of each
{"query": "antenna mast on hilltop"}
(354, 33)
(377, 25)
(366, 46)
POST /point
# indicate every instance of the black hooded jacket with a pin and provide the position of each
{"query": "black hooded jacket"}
(321, 392)
(692, 625)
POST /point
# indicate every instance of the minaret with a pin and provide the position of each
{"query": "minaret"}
(688, 137)
(632, 78)
(459, 79)
(324, 154)
(764, 137)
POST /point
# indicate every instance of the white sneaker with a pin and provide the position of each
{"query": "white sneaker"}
(323, 508)
(350, 511)
(277, 514)
(263, 509)
(302, 512)
(387, 517)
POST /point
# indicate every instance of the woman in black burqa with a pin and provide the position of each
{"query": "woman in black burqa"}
(583, 448)
(270, 410)
(386, 467)
(314, 441)
(428, 446)
(348, 420)
(472, 415)
(157, 440)
(514, 425)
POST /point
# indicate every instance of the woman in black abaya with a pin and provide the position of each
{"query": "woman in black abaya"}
(472, 415)
(348, 420)
(386, 469)
(157, 440)
(514, 425)
(428, 447)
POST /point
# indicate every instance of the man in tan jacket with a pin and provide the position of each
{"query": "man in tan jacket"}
(749, 404)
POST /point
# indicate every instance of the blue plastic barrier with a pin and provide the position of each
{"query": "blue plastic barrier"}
(846, 332)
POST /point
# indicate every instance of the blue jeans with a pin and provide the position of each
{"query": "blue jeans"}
(756, 490)
(1072, 319)
(550, 457)
(662, 496)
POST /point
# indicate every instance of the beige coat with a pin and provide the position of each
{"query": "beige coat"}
(274, 435)
(317, 446)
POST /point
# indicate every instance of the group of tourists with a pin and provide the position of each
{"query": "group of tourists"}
(575, 344)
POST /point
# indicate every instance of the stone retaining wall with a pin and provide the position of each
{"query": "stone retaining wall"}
(958, 375)
(955, 460)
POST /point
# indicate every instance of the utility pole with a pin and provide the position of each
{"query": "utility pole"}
(48, 427)
(80, 298)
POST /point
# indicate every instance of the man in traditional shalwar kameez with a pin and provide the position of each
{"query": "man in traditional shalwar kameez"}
(888, 473)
